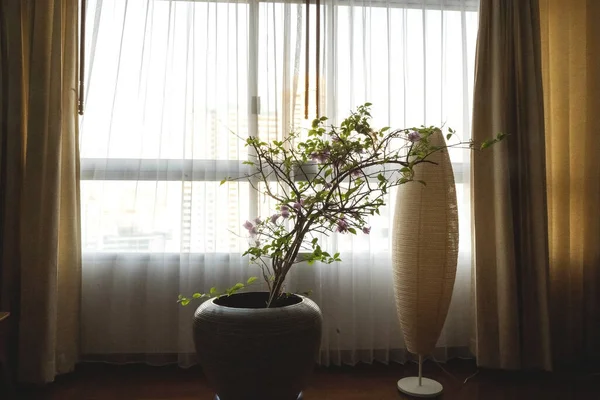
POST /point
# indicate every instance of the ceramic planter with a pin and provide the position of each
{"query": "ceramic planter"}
(249, 352)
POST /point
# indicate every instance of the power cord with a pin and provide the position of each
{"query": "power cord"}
(452, 376)
(590, 375)
(469, 377)
(587, 376)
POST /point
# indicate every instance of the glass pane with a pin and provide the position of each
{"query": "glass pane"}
(145, 216)
(166, 80)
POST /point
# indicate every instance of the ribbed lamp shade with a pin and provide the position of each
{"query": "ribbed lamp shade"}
(425, 250)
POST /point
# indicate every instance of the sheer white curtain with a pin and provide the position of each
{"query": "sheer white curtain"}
(171, 86)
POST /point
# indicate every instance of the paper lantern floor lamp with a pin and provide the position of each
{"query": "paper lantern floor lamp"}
(424, 256)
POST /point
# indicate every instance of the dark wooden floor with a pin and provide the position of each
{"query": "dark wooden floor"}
(372, 382)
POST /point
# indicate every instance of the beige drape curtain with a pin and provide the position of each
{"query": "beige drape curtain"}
(508, 197)
(571, 72)
(39, 131)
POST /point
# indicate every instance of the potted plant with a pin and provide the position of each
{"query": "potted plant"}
(263, 345)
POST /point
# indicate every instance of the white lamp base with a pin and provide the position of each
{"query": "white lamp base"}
(428, 387)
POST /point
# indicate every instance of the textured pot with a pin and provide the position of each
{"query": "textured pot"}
(425, 250)
(249, 352)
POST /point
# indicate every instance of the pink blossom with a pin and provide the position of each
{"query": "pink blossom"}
(320, 156)
(274, 218)
(248, 225)
(257, 220)
(285, 211)
(414, 136)
(366, 230)
(299, 204)
(342, 225)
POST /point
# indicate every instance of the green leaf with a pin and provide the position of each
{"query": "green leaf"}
(448, 136)
(185, 302)
(247, 163)
(223, 181)
(486, 144)
(197, 295)
(251, 280)
(350, 191)
(213, 291)
(352, 230)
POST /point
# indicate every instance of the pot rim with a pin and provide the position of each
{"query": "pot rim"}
(302, 301)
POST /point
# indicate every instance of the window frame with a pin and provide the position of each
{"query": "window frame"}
(211, 170)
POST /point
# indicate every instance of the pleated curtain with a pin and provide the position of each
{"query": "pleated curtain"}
(511, 265)
(535, 200)
(571, 71)
(174, 85)
(41, 247)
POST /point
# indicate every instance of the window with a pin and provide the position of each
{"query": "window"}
(171, 84)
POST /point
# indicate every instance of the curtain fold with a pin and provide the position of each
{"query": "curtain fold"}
(509, 192)
(41, 204)
(171, 87)
(571, 72)
(11, 168)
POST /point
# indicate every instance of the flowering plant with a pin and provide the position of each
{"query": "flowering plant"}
(330, 182)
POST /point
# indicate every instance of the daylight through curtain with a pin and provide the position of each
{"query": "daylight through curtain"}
(172, 84)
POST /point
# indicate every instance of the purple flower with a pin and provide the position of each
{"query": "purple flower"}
(274, 218)
(366, 230)
(414, 136)
(357, 172)
(299, 204)
(285, 211)
(342, 225)
(257, 220)
(251, 228)
(320, 156)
